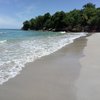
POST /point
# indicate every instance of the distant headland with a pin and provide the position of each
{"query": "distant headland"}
(86, 19)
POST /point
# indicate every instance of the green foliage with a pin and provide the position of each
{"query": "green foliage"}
(58, 20)
(85, 19)
(89, 5)
(26, 25)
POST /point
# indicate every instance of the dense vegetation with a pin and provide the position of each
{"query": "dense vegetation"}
(86, 19)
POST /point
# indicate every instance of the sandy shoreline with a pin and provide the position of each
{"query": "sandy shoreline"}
(58, 76)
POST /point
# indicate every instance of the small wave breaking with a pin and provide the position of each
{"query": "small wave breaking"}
(15, 55)
(3, 41)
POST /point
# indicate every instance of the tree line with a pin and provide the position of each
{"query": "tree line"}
(86, 19)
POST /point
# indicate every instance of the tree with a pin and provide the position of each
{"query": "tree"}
(88, 14)
(39, 23)
(46, 21)
(89, 5)
(32, 24)
(58, 20)
(46, 17)
(26, 25)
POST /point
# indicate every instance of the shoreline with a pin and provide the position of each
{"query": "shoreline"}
(64, 31)
(50, 77)
(65, 41)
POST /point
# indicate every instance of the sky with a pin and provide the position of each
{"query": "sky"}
(14, 12)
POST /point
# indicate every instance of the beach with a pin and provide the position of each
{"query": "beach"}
(71, 73)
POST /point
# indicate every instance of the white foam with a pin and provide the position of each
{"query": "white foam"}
(15, 56)
(3, 41)
(63, 32)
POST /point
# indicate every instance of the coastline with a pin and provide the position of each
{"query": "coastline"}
(50, 77)
(31, 49)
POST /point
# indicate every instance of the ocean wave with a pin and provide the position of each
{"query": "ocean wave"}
(16, 55)
(63, 32)
(3, 41)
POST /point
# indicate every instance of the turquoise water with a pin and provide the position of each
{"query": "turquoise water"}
(20, 34)
(18, 47)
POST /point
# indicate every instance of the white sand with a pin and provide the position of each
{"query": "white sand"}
(88, 84)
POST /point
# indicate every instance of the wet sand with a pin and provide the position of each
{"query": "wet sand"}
(62, 75)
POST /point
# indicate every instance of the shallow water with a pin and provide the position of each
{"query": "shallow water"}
(19, 47)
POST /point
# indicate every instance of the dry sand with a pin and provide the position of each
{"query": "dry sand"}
(64, 75)
(88, 83)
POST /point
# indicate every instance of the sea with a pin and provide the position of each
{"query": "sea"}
(18, 47)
